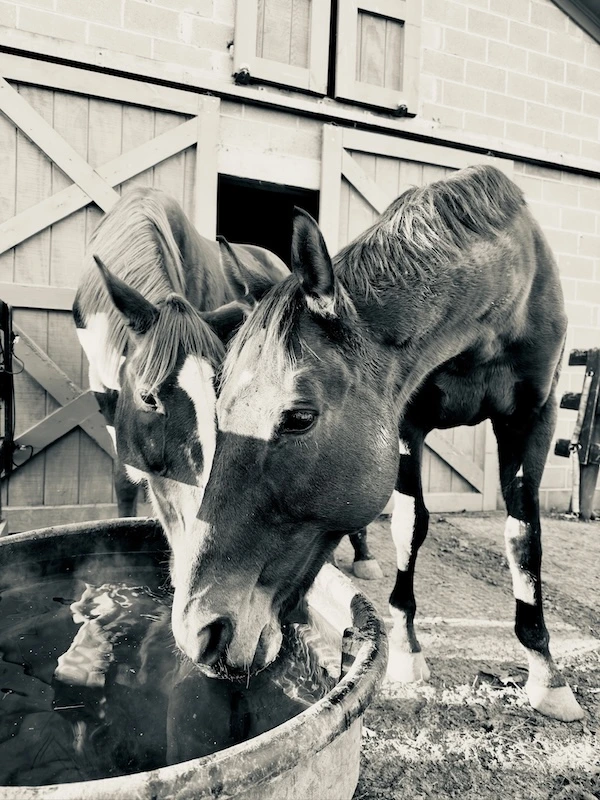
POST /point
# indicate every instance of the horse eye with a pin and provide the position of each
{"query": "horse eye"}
(297, 421)
(151, 402)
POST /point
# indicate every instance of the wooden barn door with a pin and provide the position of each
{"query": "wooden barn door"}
(361, 174)
(70, 143)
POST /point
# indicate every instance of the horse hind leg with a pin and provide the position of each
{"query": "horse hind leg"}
(523, 443)
(410, 520)
(365, 565)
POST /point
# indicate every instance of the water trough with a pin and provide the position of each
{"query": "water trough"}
(312, 755)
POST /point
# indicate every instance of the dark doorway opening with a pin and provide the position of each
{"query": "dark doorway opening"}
(256, 212)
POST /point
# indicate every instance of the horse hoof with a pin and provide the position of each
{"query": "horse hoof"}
(407, 667)
(368, 570)
(558, 703)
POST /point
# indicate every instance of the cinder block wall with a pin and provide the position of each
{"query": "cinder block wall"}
(517, 71)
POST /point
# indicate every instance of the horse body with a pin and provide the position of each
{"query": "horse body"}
(152, 331)
(447, 311)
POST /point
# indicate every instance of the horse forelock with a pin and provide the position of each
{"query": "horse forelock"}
(428, 228)
(136, 242)
(179, 328)
(271, 341)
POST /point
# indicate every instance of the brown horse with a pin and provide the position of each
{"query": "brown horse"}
(153, 329)
(447, 311)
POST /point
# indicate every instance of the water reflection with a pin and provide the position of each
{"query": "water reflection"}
(95, 687)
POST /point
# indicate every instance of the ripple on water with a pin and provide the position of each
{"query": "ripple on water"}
(92, 685)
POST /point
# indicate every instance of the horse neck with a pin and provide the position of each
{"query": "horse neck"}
(411, 330)
(207, 287)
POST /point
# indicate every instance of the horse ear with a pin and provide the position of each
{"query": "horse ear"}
(139, 314)
(227, 319)
(312, 264)
(237, 272)
(249, 285)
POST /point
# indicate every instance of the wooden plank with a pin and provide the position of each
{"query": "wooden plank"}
(361, 214)
(138, 126)
(56, 382)
(54, 426)
(418, 151)
(67, 201)
(206, 177)
(437, 502)
(27, 518)
(366, 186)
(8, 170)
(457, 460)
(319, 45)
(24, 295)
(491, 481)
(370, 49)
(97, 84)
(168, 175)
(300, 33)
(331, 179)
(276, 30)
(394, 56)
(54, 146)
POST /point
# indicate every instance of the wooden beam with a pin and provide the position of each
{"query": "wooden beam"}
(22, 68)
(55, 147)
(54, 426)
(58, 384)
(437, 502)
(373, 194)
(455, 459)
(331, 186)
(24, 295)
(205, 186)
(66, 202)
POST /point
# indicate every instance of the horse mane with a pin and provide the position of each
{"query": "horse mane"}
(430, 227)
(136, 243)
(423, 230)
(179, 325)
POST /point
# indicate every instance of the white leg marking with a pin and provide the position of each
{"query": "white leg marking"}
(196, 379)
(403, 448)
(523, 582)
(403, 665)
(403, 523)
(135, 475)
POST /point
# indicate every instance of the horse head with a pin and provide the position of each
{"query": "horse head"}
(164, 411)
(301, 418)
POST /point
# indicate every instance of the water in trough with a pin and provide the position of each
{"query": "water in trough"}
(92, 685)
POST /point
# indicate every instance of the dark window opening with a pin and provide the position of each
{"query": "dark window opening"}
(256, 212)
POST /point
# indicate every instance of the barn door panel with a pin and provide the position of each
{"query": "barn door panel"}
(361, 174)
(378, 48)
(68, 156)
(284, 42)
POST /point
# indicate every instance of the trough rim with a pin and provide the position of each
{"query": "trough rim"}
(232, 770)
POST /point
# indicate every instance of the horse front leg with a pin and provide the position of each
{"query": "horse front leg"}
(410, 520)
(365, 565)
(126, 491)
(523, 444)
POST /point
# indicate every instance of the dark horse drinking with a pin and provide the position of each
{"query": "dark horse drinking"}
(447, 311)
(153, 315)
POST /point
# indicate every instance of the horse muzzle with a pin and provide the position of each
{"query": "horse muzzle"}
(226, 643)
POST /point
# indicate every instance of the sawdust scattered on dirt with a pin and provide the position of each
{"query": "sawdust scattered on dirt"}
(470, 732)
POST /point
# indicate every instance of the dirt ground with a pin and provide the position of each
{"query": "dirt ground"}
(470, 732)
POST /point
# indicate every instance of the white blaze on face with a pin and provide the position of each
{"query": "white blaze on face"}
(104, 360)
(523, 582)
(255, 397)
(403, 524)
(196, 378)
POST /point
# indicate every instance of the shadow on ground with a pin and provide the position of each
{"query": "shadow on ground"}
(470, 732)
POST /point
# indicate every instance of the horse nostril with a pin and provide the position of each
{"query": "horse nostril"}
(213, 640)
